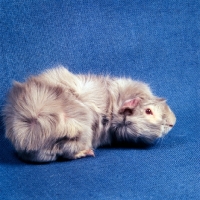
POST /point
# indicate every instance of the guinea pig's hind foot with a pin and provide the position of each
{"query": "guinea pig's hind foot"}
(85, 153)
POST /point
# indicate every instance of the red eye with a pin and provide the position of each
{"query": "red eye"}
(149, 112)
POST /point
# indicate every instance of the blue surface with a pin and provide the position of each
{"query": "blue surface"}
(154, 41)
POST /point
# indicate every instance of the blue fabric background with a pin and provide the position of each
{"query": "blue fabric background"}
(154, 41)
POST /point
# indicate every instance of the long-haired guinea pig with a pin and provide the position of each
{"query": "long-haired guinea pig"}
(58, 114)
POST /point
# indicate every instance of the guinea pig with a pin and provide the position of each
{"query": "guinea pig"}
(58, 114)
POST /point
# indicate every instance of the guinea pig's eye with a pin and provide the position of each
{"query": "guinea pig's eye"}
(149, 112)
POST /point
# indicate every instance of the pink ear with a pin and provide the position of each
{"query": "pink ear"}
(129, 104)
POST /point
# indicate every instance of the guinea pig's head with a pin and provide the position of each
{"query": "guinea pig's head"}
(143, 119)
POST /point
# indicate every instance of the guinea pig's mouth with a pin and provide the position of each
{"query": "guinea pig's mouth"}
(166, 128)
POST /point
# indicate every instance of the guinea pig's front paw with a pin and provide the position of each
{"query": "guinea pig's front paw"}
(85, 153)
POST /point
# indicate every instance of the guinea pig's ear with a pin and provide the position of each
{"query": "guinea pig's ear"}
(128, 106)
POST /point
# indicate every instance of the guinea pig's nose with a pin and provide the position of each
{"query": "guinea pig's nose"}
(170, 125)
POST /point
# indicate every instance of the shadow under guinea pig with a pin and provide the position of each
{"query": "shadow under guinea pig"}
(140, 144)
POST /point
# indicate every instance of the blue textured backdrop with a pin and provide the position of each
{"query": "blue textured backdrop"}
(154, 41)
